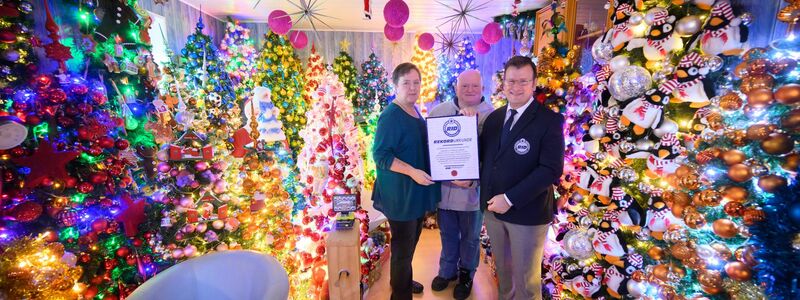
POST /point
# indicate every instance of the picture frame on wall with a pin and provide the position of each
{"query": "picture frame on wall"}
(543, 35)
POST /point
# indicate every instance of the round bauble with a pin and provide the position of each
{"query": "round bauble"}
(694, 219)
(630, 82)
(771, 183)
(733, 156)
(618, 63)
(791, 162)
(760, 97)
(656, 253)
(734, 209)
(597, 131)
(788, 94)
(791, 120)
(578, 244)
(738, 271)
(756, 81)
(681, 251)
(777, 144)
(735, 194)
(758, 66)
(739, 173)
(710, 278)
(688, 25)
(759, 132)
(725, 228)
(602, 52)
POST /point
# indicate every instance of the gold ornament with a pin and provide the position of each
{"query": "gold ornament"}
(730, 102)
(734, 209)
(758, 66)
(739, 173)
(740, 70)
(790, 162)
(791, 120)
(783, 66)
(738, 271)
(725, 228)
(757, 81)
(753, 215)
(754, 53)
(771, 183)
(759, 132)
(694, 219)
(710, 278)
(681, 251)
(735, 194)
(745, 254)
(777, 144)
(732, 157)
(656, 253)
(738, 137)
(760, 97)
(722, 250)
(707, 198)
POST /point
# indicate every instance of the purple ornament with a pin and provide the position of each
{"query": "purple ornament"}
(481, 47)
(279, 22)
(396, 13)
(425, 41)
(393, 34)
(298, 39)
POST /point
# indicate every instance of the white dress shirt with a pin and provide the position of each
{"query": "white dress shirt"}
(519, 110)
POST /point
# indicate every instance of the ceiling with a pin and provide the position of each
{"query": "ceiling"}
(347, 15)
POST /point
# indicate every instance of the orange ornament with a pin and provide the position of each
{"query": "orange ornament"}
(735, 194)
(753, 215)
(756, 81)
(681, 251)
(791, 162)
(723, 250)
(725, 228)
(758, 132)
(791, 120)
(694, 219)
(731, 102)
(738, 271)
(739, 173)
(656, 253)
(788, 94)
(760, 97)
(771, 183)
(777, 144)
(734, 209)
(710, 278)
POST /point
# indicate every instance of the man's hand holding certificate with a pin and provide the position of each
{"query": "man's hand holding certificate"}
(453, 148)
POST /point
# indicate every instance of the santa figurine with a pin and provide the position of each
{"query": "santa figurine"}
(722, 33)
(687, 85)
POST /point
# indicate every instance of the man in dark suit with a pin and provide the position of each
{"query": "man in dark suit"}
(522, 155)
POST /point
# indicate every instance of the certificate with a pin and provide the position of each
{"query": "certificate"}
(453, 148)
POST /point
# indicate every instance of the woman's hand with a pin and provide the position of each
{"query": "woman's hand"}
(421, 177)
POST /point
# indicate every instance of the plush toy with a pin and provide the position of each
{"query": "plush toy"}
(607, 241)
(659, 216)
(624, 209)
(667, 157)
(723, 33)
(617, 276)
(621, 32)
(585, 281)
(687, 85)
(645, 113)
(661, 38)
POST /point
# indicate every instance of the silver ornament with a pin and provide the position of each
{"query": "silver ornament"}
(627, 174)
(635, 288)
(578, 244)
(676, 235)
(600, 156)
(5, 70)
(602, 52)
(577, 197)
(714, 63)
(644, 144)
(705, 251)
(26, 7)
(688, 25)
(618, 63)
(630, 82)
(668, 126)
(585, 222)
(597, 131)
(613, 111)
(668, 69)
(758, 170)
(636, 18)
(626, 146)
(643, 234)
(659, 76)
(650, 16)
(747, 18)
(593, 208)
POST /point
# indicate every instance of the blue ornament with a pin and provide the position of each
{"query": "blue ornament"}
(794, 213)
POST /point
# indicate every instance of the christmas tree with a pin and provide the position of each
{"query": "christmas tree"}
(344, 67)
(281, 71)
(498, 97)
(640, 218)
(238, 54)
(213, 96)
(19, 61)
(426, 62)
(446, 77)
(330, 164)
(557, 66)
(465, 60)
(314, 70)
(373, 91)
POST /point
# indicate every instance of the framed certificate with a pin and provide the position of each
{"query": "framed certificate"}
(453, 148)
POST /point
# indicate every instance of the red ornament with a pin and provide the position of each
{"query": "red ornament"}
(240, 139)
(55, 50)
(122, 144)
(45, 162)
(99, 177)
(123, 251)
(85, 187)
(68, 218)
(27, 211)
(132, 215)
(99, 225)
(105, 142)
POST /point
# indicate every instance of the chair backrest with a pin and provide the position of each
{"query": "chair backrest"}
(238, 274)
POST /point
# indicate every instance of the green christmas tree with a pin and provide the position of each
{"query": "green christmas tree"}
(344, 67)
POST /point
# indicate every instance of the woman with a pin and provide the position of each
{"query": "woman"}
(403, 190)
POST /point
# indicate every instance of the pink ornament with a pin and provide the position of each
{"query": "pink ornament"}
(298, 39)
(481, 47)
(279, 21)
(396, 13)
(177, 253)
(425, 41)
(201, 166)
(164, 167)
(393, 34)
(190, 250)
(492, 33)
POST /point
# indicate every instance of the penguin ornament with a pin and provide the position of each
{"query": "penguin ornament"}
(687, 85)
(661, 38)
(702, 4)
(617, 276)
(607, 241)
(625, 210)
(585, 281)
(621, 32)
(659, 217)
(724, 33)
(667, 157)
(645, 113)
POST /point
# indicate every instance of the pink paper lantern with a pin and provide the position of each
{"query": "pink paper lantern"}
(425, 41)
(393, 33)
(298, 39)
(279, 22)
(492, 33)
(396, 13)
(481, 47)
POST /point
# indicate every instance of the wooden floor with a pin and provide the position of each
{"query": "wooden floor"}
(426, 266)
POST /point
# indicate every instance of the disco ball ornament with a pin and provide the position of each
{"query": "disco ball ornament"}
(629, 83)
(602, 52)
(578, 244)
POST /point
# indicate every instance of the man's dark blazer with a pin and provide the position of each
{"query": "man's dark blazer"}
(526, 166)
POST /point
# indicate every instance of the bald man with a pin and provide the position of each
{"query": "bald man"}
(459, 213)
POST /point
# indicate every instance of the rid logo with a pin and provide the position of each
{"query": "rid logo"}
(451, 128)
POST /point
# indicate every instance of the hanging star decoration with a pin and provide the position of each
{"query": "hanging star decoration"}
(132, 215)
(45, 163)
(55, 50)
(344, 45)
(310, 11)
(459, 20)
(448, 43)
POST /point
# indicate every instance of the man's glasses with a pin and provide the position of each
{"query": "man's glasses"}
(517, 82)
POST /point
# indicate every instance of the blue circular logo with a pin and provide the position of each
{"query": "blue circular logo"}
(451, 128)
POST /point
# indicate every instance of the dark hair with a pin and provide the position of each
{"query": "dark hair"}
(520, 62)
(403, 69)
